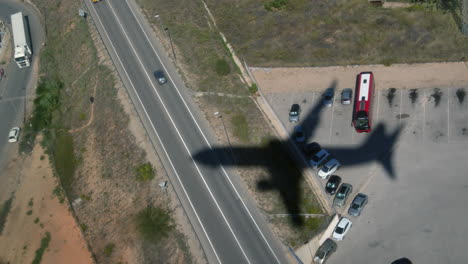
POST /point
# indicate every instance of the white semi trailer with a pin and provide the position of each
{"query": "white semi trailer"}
(22, 50)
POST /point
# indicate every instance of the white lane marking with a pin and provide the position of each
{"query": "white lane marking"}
(160, 141)
(178, 132)
(204, 137)
(448, 115)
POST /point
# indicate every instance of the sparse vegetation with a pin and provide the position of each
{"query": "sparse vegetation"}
(275, 4)
(40, 251)
(109, 249)
(36, 220)
(145, 172)
(29, 212)
(241, 127)
(31, 202)
(4, 211)
(154, 224)
(58, 191)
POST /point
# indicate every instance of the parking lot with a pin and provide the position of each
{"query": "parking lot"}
(419, 212)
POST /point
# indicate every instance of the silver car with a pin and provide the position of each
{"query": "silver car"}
(346, 95)
(294, 113)
(358, 204)
(342, 194)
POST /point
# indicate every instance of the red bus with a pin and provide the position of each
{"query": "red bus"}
(363, 102)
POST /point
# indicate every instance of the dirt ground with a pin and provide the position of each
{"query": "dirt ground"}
(406, 76)
(33, 192)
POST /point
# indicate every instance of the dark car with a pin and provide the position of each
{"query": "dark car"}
(2, 73)
(312, 148)
(160, 77)
(328, 97)
(332, 184)
(342, 194)
(294, 113)
(324, 251)
(358, 204)
(402, 261)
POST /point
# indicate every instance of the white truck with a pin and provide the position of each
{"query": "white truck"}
(22, 51)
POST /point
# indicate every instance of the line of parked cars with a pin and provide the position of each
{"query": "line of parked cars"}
(321, 160)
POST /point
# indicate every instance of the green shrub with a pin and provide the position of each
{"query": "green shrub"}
(154, 224)
(253, 89)
(145, 172)
(40, 251)
(222, 67)
(109, 249)
(275, 4)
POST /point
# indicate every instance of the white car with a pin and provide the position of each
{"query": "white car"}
(13, 135)
(319, 158)
(342, 228)
(328, 169)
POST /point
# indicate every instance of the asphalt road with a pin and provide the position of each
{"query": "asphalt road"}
(225, 219)
(17, 83)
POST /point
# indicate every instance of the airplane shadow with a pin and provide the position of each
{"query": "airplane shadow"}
(285, 174)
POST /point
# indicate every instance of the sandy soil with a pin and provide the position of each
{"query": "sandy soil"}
(426, 75)
(21, 236)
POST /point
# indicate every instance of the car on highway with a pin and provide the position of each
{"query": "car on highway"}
(294, 113)
(324, 251)
(160, 77)
(319, 158)
(13, 135)
(299, 134)
(342, 228)
(328, 169)
(342, 195)
(357, 205)
(346, 95)
(311, 148)
(328, 97)
(332, 184)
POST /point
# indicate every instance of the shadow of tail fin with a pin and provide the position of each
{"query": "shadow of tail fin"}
(386, 158)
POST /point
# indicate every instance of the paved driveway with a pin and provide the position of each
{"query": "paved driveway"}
(420, 212)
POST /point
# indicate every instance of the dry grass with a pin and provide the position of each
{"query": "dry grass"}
(338, 32)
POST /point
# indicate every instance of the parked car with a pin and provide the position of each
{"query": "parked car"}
(346, 96)
(299, 134)
(13, 135)
(332, 184)
(358, 204)
(319, 158)
(342, 195)
(311, 148)
(342, 228)
(402, 261)
(324, 251)
(328, 97)
(160, 77)
(294, 113)
(328, 169)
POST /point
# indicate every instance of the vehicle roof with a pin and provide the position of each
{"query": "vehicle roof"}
(360, 197)
(331, 162)
(334, 178)
(345, 186)
(328, 244)
(343, 222)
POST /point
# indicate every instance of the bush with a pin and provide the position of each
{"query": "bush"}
(222, 67)
(253, 88)
(154, 224)
(145, 172)
(275, 4)
(109, 249)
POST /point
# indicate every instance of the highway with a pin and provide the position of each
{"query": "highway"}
(18, 82)
(224, 217)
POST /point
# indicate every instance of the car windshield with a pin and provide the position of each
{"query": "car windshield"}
(355, 206)
(325, 169)
(299, 134)
(340, 195)
(339, 230)
(331, 185)
(293, 113)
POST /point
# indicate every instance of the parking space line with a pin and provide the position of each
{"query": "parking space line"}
(378, 104)
(401, 103)
(448, 115)
(331, 124)
(424, 115)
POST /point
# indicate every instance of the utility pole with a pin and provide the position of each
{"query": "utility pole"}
(170, 39)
